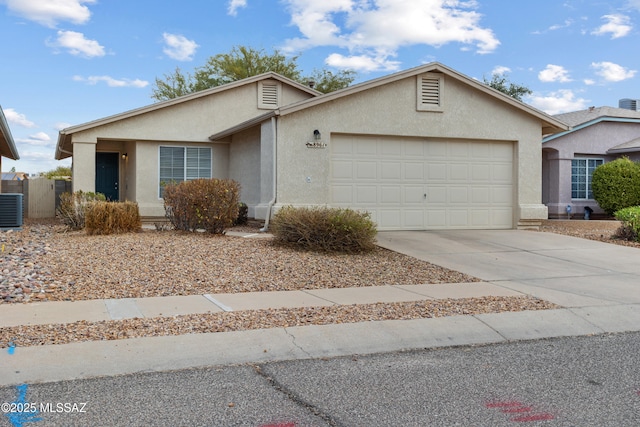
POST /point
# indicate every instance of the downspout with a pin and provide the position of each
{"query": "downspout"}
(275, 169)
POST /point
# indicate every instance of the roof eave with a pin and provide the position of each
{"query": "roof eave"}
(7, 139)
(591, 123)
(623, 150)
(188, 97)
(244, 125)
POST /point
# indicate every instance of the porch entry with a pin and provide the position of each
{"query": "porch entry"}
(108, 175)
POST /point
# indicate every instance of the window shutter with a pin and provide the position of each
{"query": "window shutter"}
(430, 92)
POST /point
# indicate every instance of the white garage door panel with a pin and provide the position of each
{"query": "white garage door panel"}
(420, 184)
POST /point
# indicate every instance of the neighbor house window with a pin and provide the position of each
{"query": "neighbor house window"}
(581, 173)
(179, 164)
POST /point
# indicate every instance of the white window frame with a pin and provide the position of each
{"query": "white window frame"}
(185, 176)
(587, 176)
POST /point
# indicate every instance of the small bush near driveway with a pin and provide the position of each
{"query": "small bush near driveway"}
(630, 228)
(324, 229)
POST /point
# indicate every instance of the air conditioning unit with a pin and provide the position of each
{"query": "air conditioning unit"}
(11, 210)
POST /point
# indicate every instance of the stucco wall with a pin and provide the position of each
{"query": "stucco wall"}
(194, 120)
(303, 173)
(84, 167)
(244, 165)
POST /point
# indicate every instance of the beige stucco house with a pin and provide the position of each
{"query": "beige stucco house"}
(7, 145)
(425, 148)
(597, 135)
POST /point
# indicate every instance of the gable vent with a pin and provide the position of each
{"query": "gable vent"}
(430, 92)
(269, 92)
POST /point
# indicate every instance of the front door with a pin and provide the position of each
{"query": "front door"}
(107, 175)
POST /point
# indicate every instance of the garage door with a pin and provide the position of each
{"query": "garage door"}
(418, 184)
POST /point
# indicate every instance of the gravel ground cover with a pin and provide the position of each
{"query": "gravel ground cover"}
(23, 336)
(601, 230)
(43, 263)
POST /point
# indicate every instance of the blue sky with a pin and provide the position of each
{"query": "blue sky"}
(66, 62)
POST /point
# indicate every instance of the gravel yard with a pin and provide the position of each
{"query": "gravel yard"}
(43, 263)
(603, 230)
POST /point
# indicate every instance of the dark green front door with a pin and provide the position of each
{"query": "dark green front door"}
(107, 175)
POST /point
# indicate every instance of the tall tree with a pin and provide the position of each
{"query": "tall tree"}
(242, 62)
(326, 81)
(501, 82)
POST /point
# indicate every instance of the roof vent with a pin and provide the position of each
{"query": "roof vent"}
(629, 104)
(430, 87)
(268, 94)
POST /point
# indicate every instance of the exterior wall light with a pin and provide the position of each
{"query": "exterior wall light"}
(124, 156)
(317, 141)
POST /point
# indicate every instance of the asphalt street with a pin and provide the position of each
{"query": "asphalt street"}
(581, 381)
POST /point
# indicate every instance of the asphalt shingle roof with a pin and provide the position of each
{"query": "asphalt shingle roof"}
(576, 118)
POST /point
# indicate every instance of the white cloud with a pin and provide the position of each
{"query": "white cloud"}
(565, 24)
(61, 125)
(617, 25)
(612, 72)
(50, 12)
(18, 119)
(378, 29)
(500, 69)
(178, 47)
(111, 82)
(234, 5)
(589, 82)
(558, 102)
(361, 62)
(554, 73)
(77, 44)
(37, 139)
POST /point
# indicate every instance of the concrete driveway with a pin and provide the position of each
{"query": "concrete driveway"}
(568, 271)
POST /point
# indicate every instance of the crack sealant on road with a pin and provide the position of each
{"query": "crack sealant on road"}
(313, 409)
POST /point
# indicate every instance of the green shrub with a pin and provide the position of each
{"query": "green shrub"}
(616, 185)
(324, 229)
(243, 214)
(209, 204)
(112, 218)
(71, 210)
(630, 228)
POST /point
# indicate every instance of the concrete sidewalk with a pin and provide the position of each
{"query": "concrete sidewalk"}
(597, 283)
(41, 313)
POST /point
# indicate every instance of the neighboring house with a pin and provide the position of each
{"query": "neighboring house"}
(14, 176)
(597, 135)
(425, 148)
(7, 145)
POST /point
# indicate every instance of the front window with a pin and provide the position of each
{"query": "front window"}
(179, 164)
(581, 173)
